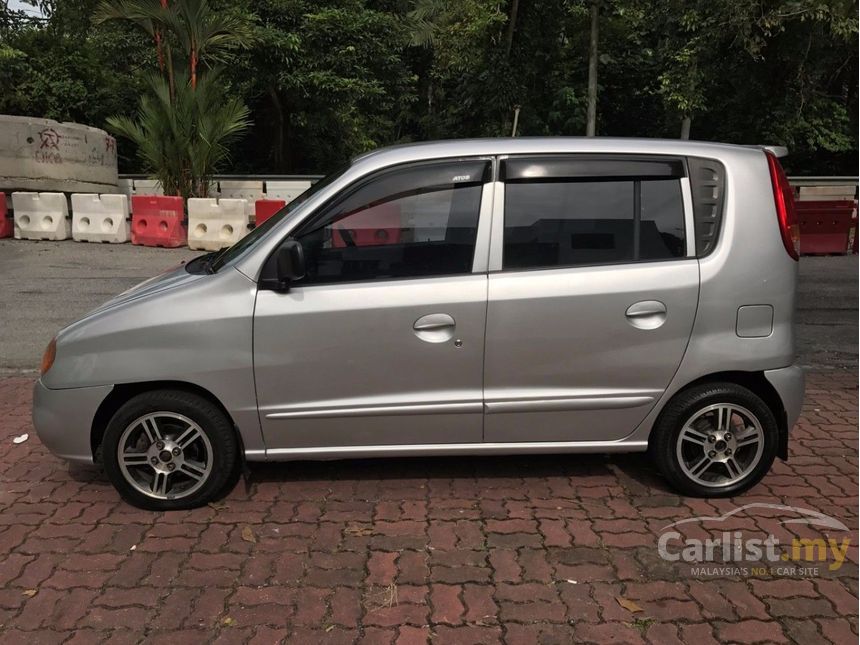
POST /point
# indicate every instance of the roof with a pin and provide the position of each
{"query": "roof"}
(546, 145)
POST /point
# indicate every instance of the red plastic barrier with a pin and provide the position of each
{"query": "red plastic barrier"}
(376, 226)
(157, 220)
(825, 226)
(7, 224)
(265, 208)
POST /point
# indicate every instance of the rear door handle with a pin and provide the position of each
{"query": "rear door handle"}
(435, 328)
(646, 314)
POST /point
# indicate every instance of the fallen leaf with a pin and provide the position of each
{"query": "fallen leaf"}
(30, 592)
(21, 438)
(629, 605)
(248, 535)
(358, 531)
(229, 622)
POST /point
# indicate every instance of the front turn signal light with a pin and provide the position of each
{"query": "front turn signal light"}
(49, 355)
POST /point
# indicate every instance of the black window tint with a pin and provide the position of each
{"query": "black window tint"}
(662, 229)
(568, 223)
(579, 222)
(420, 221)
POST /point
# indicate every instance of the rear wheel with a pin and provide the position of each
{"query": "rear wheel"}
(169, 449)
(715, 440)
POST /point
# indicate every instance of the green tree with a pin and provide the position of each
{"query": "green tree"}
(330, 80)
(185, 125)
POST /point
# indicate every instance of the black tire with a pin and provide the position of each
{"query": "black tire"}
(211, 421)
(685, 404)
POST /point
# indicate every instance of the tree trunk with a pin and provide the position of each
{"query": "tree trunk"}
(516, 120)
(591, 114)
(512, 24)
(685, 127)
(278, 144)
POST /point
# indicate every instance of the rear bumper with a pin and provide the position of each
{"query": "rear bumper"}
(64, 419)
(789, 383)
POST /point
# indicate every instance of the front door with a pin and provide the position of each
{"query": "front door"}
(593, 299)
(382, 342)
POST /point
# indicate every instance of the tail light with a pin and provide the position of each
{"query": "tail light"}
(786, 213)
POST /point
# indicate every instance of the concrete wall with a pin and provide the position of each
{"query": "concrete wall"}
(47, 156)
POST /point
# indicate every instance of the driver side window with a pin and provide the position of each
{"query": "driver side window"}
(417, 221)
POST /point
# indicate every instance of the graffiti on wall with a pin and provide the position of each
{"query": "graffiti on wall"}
(55, 147)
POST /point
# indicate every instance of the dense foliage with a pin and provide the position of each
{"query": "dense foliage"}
(327, 79)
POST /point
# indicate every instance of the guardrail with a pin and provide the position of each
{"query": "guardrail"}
(822, 181)
(238, 177)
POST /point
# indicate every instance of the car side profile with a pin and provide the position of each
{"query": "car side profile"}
(498, 296)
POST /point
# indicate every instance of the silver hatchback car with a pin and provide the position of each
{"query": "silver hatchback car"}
(507, 296)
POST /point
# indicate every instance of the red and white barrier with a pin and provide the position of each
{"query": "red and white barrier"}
(7, 226)
(265, 208)
(158, 221)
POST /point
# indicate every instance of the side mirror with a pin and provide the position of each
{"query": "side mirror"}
(289, 266)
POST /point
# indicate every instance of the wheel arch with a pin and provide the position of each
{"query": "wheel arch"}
(121, 393)
(757, 383)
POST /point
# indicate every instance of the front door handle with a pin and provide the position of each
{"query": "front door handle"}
(646, 314)
(435, 328)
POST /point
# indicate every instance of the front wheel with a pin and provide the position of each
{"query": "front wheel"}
(169, 450)
(715, 440)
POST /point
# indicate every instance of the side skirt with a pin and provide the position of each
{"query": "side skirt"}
(428, 450)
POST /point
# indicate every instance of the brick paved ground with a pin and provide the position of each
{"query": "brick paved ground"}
(458, 550)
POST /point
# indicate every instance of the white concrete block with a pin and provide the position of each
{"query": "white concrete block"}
(41, 216)
(286, 190)
(216, 224)
(147, 187)
(250, 191)
(100, 218)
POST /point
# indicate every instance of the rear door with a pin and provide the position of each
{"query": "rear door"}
(592, 295)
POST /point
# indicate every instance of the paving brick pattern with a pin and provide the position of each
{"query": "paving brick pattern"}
(516, 550)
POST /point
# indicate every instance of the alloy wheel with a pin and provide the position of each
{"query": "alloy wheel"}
(165, 455)
(720, 445)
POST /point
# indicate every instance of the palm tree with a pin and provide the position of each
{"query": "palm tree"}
(185, 124)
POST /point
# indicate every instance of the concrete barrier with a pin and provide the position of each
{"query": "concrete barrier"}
(157, 220)
(287, 190)
(147, 187)
(100, 218)
(216, 224)
(41, 216)
(7, 225)
(126, 187)
(250, 191)
(42, 155)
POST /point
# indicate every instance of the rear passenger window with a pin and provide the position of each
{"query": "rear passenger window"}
(569, 221)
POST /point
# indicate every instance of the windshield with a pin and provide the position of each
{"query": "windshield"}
(223, 257)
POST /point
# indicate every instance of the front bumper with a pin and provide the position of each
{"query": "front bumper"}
(64, 419)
